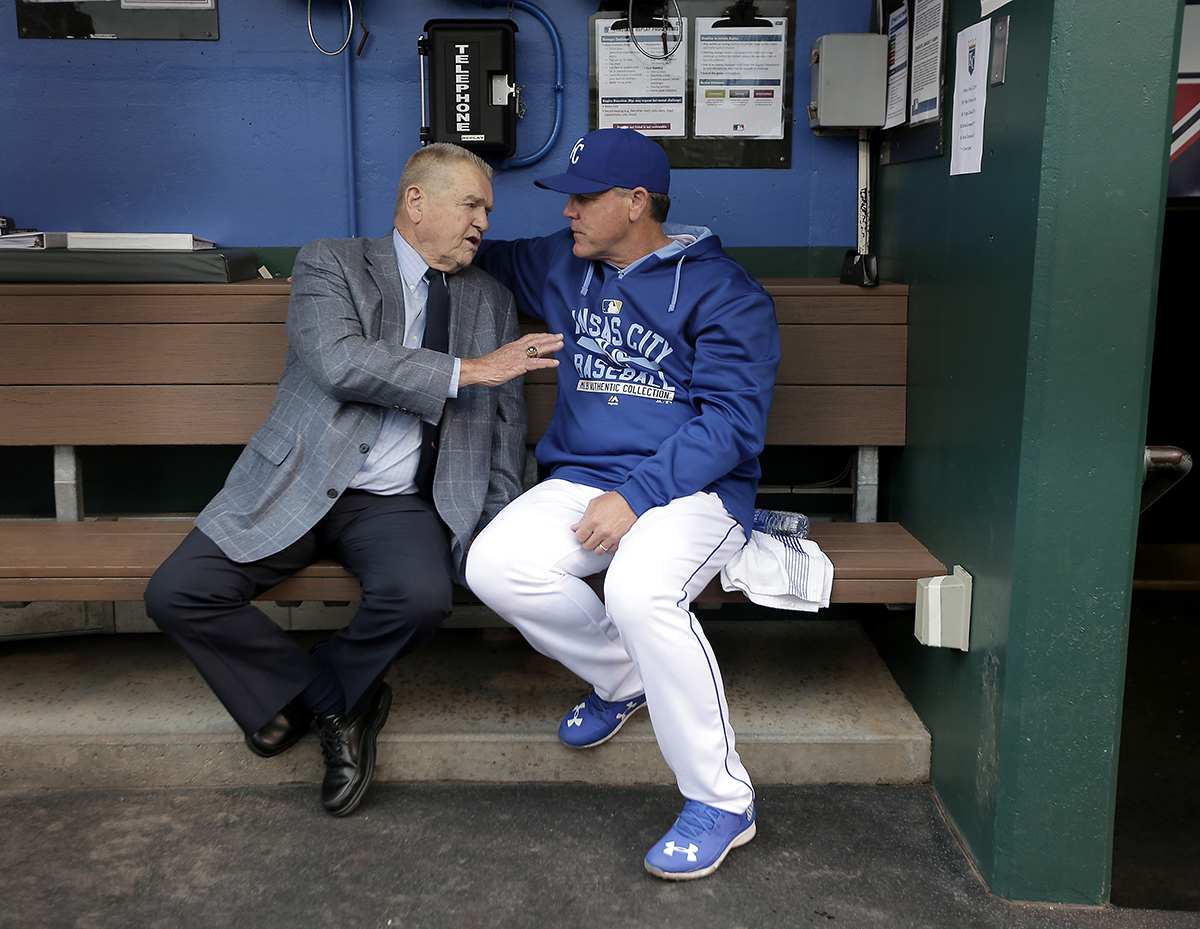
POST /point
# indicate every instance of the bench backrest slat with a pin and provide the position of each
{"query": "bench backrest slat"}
(168, 414)
(197, 364)
(179, 353)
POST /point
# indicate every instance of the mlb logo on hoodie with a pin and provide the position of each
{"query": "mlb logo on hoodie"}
(611, 307)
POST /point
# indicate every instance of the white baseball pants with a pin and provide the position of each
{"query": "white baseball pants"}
(527, 566)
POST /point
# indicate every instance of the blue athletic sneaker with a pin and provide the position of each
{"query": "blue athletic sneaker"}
(594, 720)
(699, 841)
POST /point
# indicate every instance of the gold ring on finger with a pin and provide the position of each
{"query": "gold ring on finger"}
(532, 351)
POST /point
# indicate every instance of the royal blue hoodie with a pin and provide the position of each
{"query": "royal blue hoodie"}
(665, 378)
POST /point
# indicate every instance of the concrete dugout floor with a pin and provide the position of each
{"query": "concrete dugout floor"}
(434, 855)
(439, 855)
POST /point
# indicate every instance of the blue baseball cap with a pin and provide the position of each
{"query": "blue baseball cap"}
(608, 158)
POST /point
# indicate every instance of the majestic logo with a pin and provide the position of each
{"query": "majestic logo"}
(690, 850)
(575, 151)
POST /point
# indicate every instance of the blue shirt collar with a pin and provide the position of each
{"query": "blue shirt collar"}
(412, 266)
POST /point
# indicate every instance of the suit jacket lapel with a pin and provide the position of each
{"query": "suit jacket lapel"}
(381, 265)
(460, 337)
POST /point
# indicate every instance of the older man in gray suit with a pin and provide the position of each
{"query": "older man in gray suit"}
(395, 435)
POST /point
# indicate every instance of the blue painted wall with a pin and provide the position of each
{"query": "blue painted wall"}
(244, 140)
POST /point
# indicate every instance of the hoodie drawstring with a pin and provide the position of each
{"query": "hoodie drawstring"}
(591, 270)
(675, 292)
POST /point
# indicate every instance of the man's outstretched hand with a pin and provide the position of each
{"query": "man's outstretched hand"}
(511, 360)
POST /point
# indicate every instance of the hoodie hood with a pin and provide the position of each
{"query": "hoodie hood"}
(705, 245)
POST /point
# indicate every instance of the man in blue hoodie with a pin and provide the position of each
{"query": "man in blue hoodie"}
(664, 384)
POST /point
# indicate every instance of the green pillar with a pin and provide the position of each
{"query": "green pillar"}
(1031, 319)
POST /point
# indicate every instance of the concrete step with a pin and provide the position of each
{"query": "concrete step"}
(810, 700)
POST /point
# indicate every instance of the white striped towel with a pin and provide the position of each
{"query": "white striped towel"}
(784, 572)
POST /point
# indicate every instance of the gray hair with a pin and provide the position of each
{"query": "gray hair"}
(428, 163)
(660, 204)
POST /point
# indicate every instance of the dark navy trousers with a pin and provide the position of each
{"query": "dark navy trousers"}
(397, 546)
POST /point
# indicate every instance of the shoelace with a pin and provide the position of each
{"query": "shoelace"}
(697, 819)
(595, 705)
(331, 741)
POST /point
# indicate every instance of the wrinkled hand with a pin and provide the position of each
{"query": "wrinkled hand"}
(605, 521)
(511, 360)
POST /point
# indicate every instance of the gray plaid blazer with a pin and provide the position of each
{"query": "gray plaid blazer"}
(345, 366)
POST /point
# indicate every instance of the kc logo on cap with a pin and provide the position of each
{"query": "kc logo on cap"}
(608, 158)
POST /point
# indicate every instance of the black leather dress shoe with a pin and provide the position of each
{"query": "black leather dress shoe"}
(288, 727)
(349, 749)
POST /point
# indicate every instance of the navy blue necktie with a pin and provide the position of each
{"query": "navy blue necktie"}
(437, 313)
(437, 338)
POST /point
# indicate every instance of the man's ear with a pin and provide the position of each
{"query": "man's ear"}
(639, 203)
(413, 203)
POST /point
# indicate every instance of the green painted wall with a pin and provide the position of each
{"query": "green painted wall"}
(1032, 295)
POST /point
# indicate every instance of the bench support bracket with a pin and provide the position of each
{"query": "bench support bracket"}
(866, 484)
(68, 488)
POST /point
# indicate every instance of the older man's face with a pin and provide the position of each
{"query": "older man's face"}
(453, 217)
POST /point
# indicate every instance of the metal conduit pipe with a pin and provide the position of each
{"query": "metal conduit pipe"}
(559, 76)
(351, 159)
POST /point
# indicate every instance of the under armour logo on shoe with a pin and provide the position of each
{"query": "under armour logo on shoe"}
(629, 707)
(574, 721)
(671, 848)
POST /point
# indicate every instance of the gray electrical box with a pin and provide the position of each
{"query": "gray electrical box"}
(849, 83)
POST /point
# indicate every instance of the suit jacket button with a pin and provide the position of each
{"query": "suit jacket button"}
(364, 448)
(331, 492)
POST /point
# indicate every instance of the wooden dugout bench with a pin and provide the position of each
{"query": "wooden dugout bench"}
(197, 364)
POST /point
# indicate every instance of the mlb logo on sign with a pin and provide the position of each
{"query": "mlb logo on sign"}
(739, 127)
(611, 307)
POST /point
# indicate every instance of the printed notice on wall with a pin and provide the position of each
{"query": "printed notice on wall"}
(638, 92)
(897, 86)
(926, 62)
(739, 79)
(970, 98)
